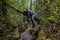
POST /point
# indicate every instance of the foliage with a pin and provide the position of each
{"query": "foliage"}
(48, 11)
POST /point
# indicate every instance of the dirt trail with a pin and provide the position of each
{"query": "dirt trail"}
(26, 35)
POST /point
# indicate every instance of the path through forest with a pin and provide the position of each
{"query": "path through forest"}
(26, 35)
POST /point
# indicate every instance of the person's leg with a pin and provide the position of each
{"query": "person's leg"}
(32, 23)
(33, 20)
(28, 16)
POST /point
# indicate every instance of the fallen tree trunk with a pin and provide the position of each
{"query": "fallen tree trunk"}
(21, 12)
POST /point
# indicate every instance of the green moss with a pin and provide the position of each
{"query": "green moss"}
(41, 35)
(52, 18)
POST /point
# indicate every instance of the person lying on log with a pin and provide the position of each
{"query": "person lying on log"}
(30, 14)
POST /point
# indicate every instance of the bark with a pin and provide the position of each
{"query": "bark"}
(31, 5)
